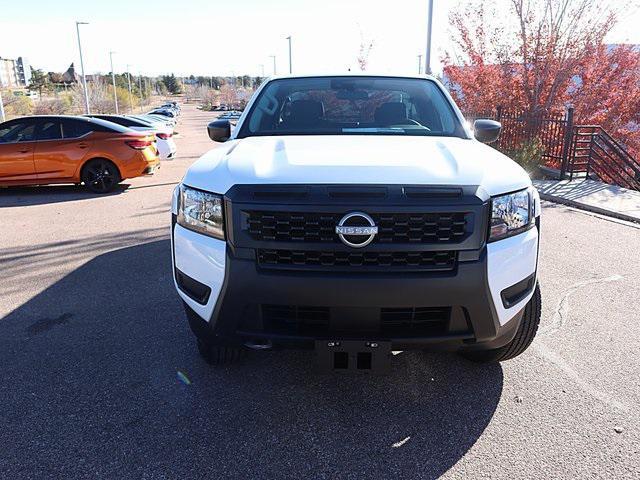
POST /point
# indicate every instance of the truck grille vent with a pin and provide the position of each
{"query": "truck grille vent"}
(314, 319)
(295, 317)
(411, 318)
(392, 227)
(307, 259)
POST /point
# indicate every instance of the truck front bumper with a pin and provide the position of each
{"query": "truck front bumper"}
(477, 306)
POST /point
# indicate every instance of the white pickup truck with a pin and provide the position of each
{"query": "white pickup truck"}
(357, 215)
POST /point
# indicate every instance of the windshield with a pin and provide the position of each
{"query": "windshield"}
(351, 105)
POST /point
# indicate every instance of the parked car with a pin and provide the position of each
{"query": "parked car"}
(43, 150)
(163, 118)
(164, 136)
(233, 115)
(358, 220)
(172, 105)
(163, 111)
(157, 120)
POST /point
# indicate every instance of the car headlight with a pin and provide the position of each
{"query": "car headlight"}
(201, 212)
(511, 214)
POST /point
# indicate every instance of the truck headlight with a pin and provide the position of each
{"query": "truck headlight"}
(201, 212)
(511, 214)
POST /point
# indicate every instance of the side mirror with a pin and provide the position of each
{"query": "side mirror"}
(219, 130)
(486, 131)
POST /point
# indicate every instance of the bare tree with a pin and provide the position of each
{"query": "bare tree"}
(366, 45)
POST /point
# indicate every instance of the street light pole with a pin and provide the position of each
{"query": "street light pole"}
(419, 64)
(113, 78)
(1, 107)
(129, 82)
(274, 63)
(84, 77)
(262, 68)
(140, 89)
(427, 66)
(290, 66)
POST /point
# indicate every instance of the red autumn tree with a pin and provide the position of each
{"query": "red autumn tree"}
(539, 56)
(523, 54)
(607, 92)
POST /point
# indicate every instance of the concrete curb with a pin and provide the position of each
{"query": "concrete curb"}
(589, 208)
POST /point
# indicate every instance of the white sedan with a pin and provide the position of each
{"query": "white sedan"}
(164, 136)
(156, 120)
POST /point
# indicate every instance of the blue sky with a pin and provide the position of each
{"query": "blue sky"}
(226, 37)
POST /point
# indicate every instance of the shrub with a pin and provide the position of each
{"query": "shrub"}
(17, 106)
(528, 156)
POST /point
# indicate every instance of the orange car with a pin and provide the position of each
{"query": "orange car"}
(67, 149)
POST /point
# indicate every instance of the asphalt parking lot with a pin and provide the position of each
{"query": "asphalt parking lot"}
(92, 337)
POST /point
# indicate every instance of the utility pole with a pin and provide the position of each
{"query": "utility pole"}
(113, 78)
(419, 64)
(262, 68)
(129, 82)
(427, 66)
(140, 89)
(274, 63)
(290, 66)
(2, 118)
(84, 77)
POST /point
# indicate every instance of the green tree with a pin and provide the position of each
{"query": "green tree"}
(217, 82)
(39, 81)
(171, 83)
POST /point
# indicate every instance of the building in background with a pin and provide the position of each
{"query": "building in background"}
(24, 71)
(14, 73)
(70, 76)
(8, 73)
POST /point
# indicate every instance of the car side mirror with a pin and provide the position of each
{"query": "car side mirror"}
(486, 131)
(219, 130)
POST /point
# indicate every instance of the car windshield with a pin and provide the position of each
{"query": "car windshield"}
(352, 106)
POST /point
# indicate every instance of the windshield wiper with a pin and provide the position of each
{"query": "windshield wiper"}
(373, 130)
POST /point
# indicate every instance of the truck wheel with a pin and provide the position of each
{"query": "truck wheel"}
(213, 351)
(523, 338)
(218, 354)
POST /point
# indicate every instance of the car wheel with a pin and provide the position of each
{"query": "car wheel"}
(100, 176)
(523, 338)
(218, 354)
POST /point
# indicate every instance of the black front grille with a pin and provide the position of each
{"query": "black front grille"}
(311, 259)
(392, 227)
(407, 321)
(295, 318)
(415, 318)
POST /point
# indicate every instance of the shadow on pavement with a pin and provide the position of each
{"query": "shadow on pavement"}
(41, 195)
(91, 390)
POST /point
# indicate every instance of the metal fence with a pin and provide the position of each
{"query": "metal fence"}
(568, 148)
(551, 133)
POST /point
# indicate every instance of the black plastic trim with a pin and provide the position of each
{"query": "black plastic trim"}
(195, 290)
(245, 288)
(516, 292)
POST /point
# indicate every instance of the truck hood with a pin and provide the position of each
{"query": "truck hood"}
(355, 159)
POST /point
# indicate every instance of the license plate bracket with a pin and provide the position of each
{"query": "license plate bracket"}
(353, 356)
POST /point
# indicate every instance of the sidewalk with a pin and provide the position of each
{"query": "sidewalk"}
(594, 196)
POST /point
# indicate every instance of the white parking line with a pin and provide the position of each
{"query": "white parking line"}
(587, 387)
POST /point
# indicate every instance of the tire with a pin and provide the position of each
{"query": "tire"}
(100, 175)
(523, 338)
(218, 354)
